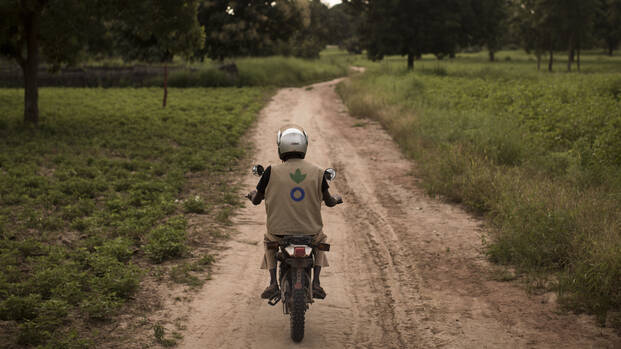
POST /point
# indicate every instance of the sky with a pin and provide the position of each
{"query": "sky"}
(331, 2)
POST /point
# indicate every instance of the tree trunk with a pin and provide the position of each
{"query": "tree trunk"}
(30, 68)
(165, 85)
(492, 56)
(410, 61)
(551, 61)
(578, 59)
(538, 61)
(611, 50)
(570, 53)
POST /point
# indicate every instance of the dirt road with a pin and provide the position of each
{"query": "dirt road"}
(406, 270)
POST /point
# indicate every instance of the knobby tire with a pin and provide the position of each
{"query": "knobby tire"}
(297, 315)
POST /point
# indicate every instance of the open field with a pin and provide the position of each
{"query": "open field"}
(538, 153)
(98, 193)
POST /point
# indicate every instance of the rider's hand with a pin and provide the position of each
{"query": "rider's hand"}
(339, 199)
(251, 195)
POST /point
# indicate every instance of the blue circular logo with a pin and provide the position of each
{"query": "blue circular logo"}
(295, 196)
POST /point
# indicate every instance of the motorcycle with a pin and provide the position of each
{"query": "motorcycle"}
(296, 259)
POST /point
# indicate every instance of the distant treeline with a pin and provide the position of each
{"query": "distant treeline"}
(543, 27)
(61, 33)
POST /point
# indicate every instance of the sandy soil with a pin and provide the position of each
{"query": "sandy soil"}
(406, 270)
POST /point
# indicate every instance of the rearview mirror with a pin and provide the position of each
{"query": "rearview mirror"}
(330, 174)
(258, 170)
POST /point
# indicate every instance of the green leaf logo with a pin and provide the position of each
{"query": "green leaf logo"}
(297, 177)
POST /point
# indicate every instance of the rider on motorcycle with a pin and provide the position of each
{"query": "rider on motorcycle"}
(293, 191)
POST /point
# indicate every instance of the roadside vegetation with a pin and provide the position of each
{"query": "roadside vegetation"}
(276, 71)
(97, 193)
(539, 154)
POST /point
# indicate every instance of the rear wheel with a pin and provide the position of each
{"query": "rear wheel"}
(298, 309)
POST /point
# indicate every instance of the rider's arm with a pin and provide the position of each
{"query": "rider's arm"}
(256, 196)
(330, 200)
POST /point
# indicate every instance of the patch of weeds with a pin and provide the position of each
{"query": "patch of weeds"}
(224, 215)
(158, 273)
(503, 275)
(180, 324)
(113, 277)
(100, 306)
(51, 314)
(120, 248)
(194, 204)
(181, 274)
(167, 241)
(80, 209)
(206, 260)
(219, 234)
(230, 197)
(360, 124)
(159, 332)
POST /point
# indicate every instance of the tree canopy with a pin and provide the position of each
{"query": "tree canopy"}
(259, 28)
(59, 32)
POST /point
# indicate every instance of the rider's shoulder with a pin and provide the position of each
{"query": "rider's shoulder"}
(303, 163)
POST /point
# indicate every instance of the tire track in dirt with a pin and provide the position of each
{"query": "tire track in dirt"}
(406, 270)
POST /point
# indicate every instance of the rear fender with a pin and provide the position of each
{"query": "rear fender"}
(299, 262)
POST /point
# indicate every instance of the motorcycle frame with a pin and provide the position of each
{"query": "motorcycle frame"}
(293, 270)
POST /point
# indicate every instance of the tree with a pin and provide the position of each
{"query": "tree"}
(58, 32)
(344, 25)
(414, 27)
(30, 28)
(576, 29)
(553, 25)
(157, 31)
(539, 24)
(608, 24)
(489, 27)
(247, 27)
(314, 33)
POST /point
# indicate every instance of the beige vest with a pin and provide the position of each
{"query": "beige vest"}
(293, 198)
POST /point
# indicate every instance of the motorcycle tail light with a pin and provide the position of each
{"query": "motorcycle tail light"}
(299, 251)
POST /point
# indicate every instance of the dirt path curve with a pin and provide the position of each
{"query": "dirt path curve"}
(406, 270)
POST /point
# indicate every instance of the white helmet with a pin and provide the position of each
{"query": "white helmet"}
(292, 139)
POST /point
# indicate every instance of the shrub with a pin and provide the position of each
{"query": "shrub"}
(112, 276)
(100, 306)
(119, 248)
(194, 205)
(20, 307)
(166, 241)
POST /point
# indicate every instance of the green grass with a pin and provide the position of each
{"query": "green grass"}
(261, 71)
(538, 153)
(97, 189)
